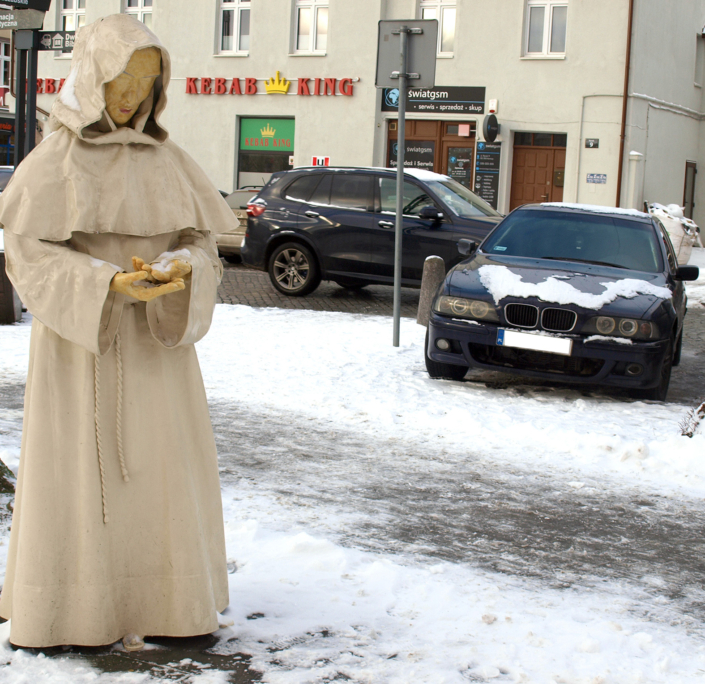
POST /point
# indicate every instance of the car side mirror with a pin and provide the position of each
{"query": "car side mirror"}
(431, 213)
(466, 247)
(687, 273)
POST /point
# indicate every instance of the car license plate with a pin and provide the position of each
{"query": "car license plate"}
(521, 340)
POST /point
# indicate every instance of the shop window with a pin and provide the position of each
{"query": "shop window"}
(234, 26)
(545, 28)
(141, 9)
(5, 75)
(311, 26)
(73, 14)
(445, 12)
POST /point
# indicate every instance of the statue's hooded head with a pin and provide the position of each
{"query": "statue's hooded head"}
(118, 80)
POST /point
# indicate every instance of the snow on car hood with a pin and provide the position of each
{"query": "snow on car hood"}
(583, 285)
(502, 282)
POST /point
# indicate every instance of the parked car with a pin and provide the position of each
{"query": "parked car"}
(313, 224)
(229, 243)
(570, 292)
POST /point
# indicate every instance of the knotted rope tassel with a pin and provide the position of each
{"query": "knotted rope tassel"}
(118, 422)
(98, 440)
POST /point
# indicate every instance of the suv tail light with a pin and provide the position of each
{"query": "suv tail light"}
(255, 209)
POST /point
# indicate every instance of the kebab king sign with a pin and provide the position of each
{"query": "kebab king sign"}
(273, 86)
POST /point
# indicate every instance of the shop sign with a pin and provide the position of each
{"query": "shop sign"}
(460, 165)
(275, 85)
(487, 171)
(598, 178)
(441, 99)
(49, 86)
(419, 154)
(7, 126)
(320, 161)
(21, 19)
(270, 135)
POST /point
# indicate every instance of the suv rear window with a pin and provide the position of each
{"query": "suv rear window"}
(352, 191)
(302, 187)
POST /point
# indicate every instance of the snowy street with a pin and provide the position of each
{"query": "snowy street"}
(385, 527)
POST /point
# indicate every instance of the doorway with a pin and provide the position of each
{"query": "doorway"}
(691, 170)
(538, 170)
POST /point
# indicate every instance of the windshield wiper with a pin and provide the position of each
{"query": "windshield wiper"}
(583, 261)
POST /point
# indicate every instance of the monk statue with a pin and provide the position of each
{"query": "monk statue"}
(117, 530)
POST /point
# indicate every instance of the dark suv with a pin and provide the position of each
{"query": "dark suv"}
(314, 224)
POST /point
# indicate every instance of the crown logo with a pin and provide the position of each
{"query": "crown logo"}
(277, 85)
(268, 131)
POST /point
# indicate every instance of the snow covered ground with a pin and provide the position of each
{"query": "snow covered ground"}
(696, 290)
(332, 611)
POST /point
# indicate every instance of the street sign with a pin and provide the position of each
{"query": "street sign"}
(592, 143)
(56, 40)
(420, 58)
(41, 5)
(21, 19)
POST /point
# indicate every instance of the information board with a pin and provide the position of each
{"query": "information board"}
(419, 154)
(487, 171)
(460, 165)
(441, 99)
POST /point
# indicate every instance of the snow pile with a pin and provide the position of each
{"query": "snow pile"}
(596, 209)
(309, 610)
(696, 289)
(604, 338)
(501, 282)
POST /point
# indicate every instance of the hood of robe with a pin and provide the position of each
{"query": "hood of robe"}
(91, 176)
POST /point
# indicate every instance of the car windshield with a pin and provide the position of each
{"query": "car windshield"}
(460, 200)
(586, 238)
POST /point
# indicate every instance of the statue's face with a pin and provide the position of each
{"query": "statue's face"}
(124, 94)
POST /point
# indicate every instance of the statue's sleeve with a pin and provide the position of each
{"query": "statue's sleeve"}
(184, 317)
(68, 291)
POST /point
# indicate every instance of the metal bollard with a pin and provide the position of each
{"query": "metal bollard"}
(434, 271)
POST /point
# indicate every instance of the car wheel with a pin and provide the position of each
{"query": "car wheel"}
(232, 258)
(293, 270)
(660, 392)
(446, 371)
(679, 349)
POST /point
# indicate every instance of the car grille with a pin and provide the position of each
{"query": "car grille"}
(525, 359)
(522, 315)
(558, 320)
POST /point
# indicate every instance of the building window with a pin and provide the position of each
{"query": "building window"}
(311, 26)
(444, 11)
(545, 27)
(73, 14)
(235, 26)
(141, 9)
(699, 60)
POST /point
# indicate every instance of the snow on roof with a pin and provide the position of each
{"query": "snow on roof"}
(500, 282)
(423, 174)
(596, 209)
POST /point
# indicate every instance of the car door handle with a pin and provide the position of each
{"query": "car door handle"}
(385, 224)
(312, 214)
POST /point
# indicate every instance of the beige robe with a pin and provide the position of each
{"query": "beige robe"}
(102, 546)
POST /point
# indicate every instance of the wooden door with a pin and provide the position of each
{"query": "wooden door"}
(532, 176)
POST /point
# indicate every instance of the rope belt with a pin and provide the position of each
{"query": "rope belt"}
(118, 422)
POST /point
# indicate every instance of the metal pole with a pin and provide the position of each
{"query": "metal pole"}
(31, 134)
(20, 90)
(401, 149)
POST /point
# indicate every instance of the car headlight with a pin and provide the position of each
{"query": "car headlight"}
(622, 327)
(465, 308)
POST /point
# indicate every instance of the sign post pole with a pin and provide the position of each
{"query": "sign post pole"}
(20, 91)
(401, 149)
(31, 134)
(396, 67)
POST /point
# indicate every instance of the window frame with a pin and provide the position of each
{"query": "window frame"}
(237, 7)
(549, 8)
(440, 6)
(315, 6)
(75, 12)
(140, 11)
(5, 60)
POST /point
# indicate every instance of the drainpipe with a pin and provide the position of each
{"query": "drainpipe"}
(622, 134)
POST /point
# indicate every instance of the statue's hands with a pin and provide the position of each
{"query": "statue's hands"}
(163, 271)
(124, 283)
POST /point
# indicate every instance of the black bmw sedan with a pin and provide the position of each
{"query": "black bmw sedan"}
(313, 224)
(570, 292)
